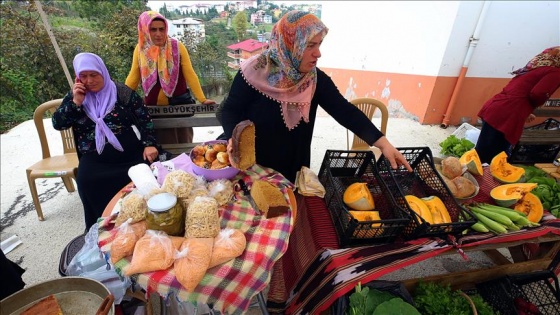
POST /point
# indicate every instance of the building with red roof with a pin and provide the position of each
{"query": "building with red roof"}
(244, 50)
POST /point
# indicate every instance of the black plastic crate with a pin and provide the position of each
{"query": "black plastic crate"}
(539, 288)
(537, 153)
(424, 181)
(339, 170)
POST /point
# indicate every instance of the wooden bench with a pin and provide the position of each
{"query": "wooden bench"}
(174, 117)
(550, 109)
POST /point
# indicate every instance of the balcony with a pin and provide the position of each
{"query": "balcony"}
(233, 65)
(233, 55)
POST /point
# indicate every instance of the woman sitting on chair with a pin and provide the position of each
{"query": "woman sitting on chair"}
(102, 114)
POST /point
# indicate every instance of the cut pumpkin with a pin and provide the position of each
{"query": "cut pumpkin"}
(419, 206)
(504, 172)
(509, 194)
(358, 197)
(364, 216)
(472, 161)
(437, 209)
(531, 206)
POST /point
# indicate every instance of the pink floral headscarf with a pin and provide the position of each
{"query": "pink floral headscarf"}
(275, 72)
(549, 57)
(156, 61)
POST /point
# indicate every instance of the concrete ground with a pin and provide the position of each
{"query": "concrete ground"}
(43, 242)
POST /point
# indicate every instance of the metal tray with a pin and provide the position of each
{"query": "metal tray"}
(75, 295)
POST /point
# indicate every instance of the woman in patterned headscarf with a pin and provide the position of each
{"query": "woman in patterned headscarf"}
(101, 114)
(506, 113)
(164, 67)
(280, 89)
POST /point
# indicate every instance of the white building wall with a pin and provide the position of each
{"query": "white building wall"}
(432, 37)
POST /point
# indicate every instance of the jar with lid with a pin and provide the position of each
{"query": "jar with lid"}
(166, 214)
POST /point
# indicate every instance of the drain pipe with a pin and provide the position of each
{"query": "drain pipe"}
(473, 41)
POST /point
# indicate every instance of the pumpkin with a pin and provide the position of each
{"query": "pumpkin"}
(366, 216)
(504, 172)
(472, 161)
(437, 209)
(509, 194)
(358, 197)
(418, 206)
(531, 206)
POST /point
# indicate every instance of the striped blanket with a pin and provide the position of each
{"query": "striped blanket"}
(231, 286)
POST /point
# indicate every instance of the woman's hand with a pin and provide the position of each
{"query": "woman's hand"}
(150, 154)
(530, 118)
(394, 156)
(209, 102)
(79, 92)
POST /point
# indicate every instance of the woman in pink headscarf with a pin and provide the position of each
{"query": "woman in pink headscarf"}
(163, 66)
(280, 90)
(505, 114)
(101, 114)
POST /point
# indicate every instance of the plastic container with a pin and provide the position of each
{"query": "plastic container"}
(166, 214)
(228, 172)
(424, 181)
(339, 170)
(461, 131)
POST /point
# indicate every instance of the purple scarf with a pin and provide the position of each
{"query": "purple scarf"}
(98, 104)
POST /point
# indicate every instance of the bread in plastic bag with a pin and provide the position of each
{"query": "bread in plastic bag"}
(192, 261)
(230, 243)
(154, 251)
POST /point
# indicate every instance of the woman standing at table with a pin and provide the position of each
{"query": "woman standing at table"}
(163, 65)
(504, 115)
(280, 89)
(102, 114)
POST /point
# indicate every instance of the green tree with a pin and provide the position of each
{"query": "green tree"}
(240, 25)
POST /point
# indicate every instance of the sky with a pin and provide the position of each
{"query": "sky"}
(155, 5)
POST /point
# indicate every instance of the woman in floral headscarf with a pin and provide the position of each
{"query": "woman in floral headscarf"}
(505, 114)
(101, 114)
(280, 89)
(164, 67)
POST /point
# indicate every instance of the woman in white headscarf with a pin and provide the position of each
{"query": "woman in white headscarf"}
(102, 114)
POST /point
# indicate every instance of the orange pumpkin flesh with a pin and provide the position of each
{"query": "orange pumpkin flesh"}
(472, 161)
(504, 172)
(531, 206)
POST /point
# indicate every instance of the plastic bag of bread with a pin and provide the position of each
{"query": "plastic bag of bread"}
(192, 261)
(179, 183)
(229, 244)
(133, 207)
(154, 251)
(202, 218)
(221, 190)
(123, 244)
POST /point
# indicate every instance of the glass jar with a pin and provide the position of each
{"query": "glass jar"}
(166, 214)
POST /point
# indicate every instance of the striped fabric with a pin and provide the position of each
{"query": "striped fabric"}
(231, 286)
(315, 272)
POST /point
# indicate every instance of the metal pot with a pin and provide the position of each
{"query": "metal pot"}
(75, 295)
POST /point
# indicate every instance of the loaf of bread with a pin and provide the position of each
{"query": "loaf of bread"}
(243, 145)
(269, 198)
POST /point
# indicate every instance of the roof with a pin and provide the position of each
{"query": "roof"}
(249, 45)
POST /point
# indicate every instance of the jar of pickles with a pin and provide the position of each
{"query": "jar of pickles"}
(166, 214)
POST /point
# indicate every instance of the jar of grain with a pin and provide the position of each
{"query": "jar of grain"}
(166, 214)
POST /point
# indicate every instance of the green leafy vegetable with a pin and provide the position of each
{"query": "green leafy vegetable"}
(395, 306)
(435, 299)
(454, 146)
(366, 301)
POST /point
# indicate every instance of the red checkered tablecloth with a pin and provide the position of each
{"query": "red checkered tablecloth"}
(231, 286)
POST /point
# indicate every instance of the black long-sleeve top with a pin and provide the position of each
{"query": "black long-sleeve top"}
(128, 111)
(286, 151)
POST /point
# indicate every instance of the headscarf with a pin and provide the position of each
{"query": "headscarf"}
(98, 104)
(156, 61)
(275, 71)
(550, 57)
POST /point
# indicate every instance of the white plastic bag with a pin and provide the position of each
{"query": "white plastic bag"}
(88, 258)
(111, 280)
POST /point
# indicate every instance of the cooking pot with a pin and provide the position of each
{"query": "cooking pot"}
(75, 295)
